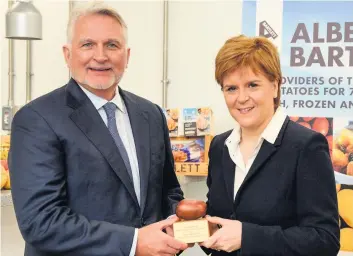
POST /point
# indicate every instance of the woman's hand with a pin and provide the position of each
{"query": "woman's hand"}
(227, 238)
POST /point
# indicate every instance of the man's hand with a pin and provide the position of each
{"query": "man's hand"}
(151, 240)
(170, 231)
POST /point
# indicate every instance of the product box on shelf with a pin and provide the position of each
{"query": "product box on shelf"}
(172, 116)
(191, 154)
(190, 132)
(189, 122)
(197, 121)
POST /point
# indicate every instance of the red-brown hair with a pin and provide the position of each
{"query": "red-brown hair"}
(258, 53)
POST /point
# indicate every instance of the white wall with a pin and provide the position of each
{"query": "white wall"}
(197, 31)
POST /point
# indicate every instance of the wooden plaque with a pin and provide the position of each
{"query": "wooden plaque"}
(191, 231)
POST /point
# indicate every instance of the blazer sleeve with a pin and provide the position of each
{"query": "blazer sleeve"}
(209, 211)
(211, 152)
(172, 193)
(317, 232)
(37, 164)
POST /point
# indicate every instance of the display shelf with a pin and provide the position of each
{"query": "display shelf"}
(191, 169)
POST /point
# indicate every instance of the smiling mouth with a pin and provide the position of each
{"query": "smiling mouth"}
(245, 110)
(99, 69)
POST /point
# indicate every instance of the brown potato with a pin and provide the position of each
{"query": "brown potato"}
(345, 139)
(189, 209)
(321, 125)
(339, 159)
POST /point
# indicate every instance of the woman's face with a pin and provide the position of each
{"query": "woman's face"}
(250, 98)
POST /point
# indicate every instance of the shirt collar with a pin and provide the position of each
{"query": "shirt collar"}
(270, 133)
(99, 102)
(273, 128)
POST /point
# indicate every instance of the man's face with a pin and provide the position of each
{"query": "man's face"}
(98, 55)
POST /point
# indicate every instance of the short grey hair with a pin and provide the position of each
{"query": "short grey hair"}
(96, 7)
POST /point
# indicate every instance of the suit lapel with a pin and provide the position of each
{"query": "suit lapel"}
(88, 120)
(228, 169)
(266, 151)
(140, 128)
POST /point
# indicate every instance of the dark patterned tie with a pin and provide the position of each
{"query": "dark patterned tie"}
(110, 109)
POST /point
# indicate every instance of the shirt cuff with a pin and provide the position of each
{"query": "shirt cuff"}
(134, 244)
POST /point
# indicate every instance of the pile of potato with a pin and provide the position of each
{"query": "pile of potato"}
(345, 209)
(342, 152)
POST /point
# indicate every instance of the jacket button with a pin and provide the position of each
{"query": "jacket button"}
(232, 216)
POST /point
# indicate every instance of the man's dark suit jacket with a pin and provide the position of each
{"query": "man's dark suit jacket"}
(287, 203)
(72, 193)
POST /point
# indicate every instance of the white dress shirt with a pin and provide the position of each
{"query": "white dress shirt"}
(270, 134)
(125, 132)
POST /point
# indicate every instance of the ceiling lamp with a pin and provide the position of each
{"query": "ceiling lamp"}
(23, 21)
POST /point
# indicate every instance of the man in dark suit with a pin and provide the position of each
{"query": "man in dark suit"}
(91, 166)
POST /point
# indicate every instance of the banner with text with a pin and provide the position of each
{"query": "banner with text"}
(315, 41)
